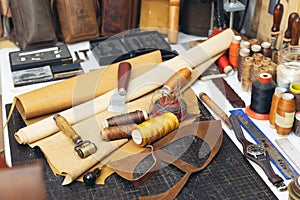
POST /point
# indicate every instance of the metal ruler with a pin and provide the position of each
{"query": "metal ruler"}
(276, 157)
(290, 150)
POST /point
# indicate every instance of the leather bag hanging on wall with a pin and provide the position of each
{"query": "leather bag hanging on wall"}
(76, 19)
(118, 16)
(32, 24)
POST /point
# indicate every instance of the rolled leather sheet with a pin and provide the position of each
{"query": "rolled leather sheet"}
(70, 92)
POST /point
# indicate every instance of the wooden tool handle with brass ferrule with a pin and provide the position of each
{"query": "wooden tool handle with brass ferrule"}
(295, 32)
(174, 7)
(66, 128)
(123, 77)
(177, 80)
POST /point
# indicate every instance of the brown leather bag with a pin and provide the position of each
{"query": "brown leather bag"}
(32, 24)
(118, 16)
(77, 19)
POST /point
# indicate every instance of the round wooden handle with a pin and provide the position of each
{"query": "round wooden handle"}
(288, 32)
(123, 75)
(295, 31)
(278, 12)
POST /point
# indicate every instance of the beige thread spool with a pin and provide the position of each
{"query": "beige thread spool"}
(117, 132)
(246, 74)
(243, 53)
(275, 99)
(285, 114)
(154, 129)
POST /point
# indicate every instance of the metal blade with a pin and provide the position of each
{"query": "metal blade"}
(276, 157)
(117, 103)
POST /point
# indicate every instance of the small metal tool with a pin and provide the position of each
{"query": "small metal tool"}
(83, 148)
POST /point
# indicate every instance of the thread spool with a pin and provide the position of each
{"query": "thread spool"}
(224, 64)
(261, 97)
(174, 105)
(243, 53)
(234, 51)
(245, 44)
(254, 70)
(258, 57)
(285, 114)
(154, 129)
(275, 99)
(246, 73)
(135, 117)
(117, 132)
(295, 90)
(296, 126)
(266, 49)
(253, 41)
(256, 48)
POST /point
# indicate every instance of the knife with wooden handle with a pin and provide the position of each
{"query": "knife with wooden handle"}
(117, 101)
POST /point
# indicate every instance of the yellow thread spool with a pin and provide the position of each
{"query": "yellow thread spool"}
(154, 129)
(275, 99)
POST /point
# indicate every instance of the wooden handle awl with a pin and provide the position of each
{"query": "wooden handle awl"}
(174, 7)
(123, 76)
(177, 80)
(295, 32)
(278, 12)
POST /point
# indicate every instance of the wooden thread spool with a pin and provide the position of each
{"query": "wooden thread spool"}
(256, 48)
(234, 51)
(253, 41)
(135, 117)
(275, 99)
(246, 73)
(117, 132)
(244, 52)
(154, 129)
(285, 114)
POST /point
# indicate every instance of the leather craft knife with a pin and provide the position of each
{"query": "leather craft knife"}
(117, 101)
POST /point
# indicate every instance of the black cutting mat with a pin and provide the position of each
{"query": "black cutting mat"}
(228, 176)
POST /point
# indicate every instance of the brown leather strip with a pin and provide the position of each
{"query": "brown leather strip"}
(234, 99)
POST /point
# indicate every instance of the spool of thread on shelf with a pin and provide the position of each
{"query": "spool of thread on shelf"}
(261, 97)
(245, 44)
(266, 49)
(135, 117)
(243, 53)
(254, 71)
(295, 90)
(275, 99)
(154, 129)
(256, 48)
(253, 41)
(285, 114)
(117, 132)
(234, 51)
(258, 57)
(246, 73)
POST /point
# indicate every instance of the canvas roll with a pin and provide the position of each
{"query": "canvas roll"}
(70, 92)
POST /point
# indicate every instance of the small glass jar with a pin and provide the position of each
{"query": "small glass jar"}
(288, 68)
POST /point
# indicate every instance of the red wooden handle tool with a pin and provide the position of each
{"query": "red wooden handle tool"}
(123, 77)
